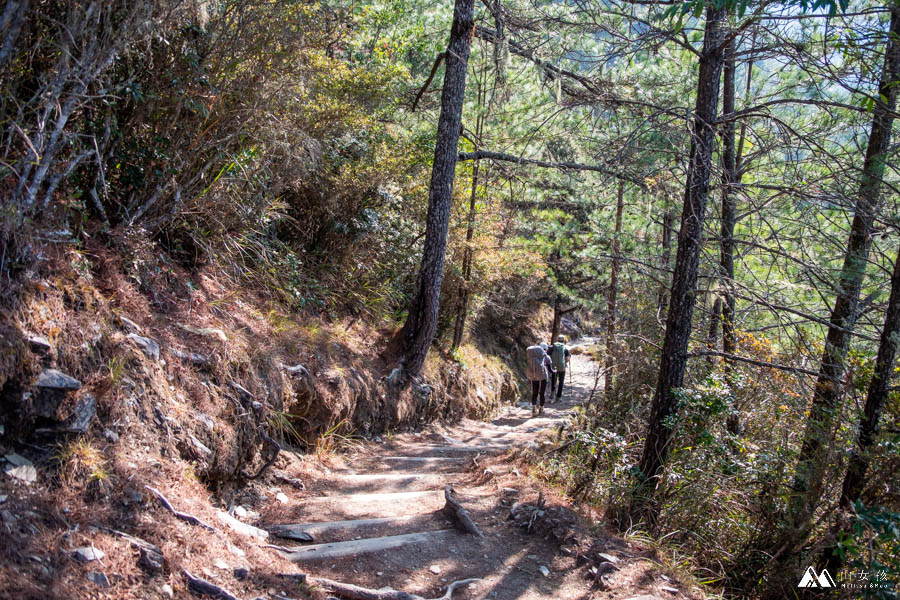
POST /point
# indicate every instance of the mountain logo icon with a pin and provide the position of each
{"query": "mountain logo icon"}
(811, 580)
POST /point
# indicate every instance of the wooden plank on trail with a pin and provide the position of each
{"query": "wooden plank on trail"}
(446, 459)
(349, 500)
(455, 449)
(374, 477)
(300, 531)
(355, 547)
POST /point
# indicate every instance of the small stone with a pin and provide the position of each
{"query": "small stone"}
(221, 564)
(608, 558)
(240, 511)
(151, 559)
(82, 415)
(200, 446)
(127, 324)
(205, 331)
(17, 460)
(20, 468)
(55, 380)
(207, 421)
(3, 498)
(545, 571)
(201, 360)
(671, 590)
(98, 579)
(532, 556)
(281, 497)
(167, 590)
(26, 473)
(241, 573)
(110, 435)
(149, 346)
(39, 344)
(435, 569)
(236, 551)
(510, 491)
(88, 554)
(380, 573)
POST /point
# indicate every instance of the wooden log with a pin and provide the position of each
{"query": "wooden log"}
(365, 546)
(458, 514)
(355, 592)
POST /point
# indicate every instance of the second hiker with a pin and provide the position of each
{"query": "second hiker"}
(560, 358)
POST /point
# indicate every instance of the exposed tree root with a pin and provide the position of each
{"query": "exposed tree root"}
(354, 592)
(178, 514)
(455, 511)
(205, 588)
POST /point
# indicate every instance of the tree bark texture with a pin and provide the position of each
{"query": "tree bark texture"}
(557, 319)
(877, 395)
(462, 310)
(613, 291)
(812, 464)
(666, 248)
(854, 480)
(421, 323)
(684, 281)
(731, 180)
(729, 208)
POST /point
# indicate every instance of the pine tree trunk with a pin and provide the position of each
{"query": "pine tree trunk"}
(731, 181)
(877, 395)
(666, 248)
(557, 320)
(854, 480)
(421, 323)
(613, 291)
(644, 507)
(814, 461)
(712, 336)
(463, 307)
(729, 208)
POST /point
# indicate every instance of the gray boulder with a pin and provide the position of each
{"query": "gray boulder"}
(149, 346)
(52, 387)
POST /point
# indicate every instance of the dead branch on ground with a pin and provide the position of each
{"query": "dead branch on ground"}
(460, 516)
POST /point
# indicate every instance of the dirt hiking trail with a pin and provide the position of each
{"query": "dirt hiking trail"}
(375, 518)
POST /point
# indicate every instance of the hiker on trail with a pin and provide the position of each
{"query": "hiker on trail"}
(538, 372)
(560, 357)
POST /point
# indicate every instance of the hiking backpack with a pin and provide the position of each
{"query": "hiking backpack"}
(534, 370)
(559, 356)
